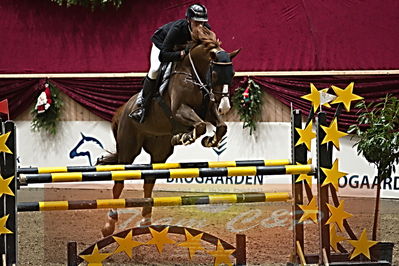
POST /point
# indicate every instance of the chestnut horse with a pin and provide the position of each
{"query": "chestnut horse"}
(198, 92)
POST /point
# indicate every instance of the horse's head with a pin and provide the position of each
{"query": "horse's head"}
(214, 65)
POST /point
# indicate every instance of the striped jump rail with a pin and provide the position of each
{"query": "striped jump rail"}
(164, 173)
(155, 166)
(156, 201)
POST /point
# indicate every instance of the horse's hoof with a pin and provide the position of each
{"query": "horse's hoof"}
(145, 222)
(108, 229)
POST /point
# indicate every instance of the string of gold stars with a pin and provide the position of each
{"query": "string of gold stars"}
(221, 255)
(126, 244)
(309, 211)
(3, 140)
(306, 135)
(95, 258)
(160, 239)
(345, 96)
(193, 243)
(333, 134)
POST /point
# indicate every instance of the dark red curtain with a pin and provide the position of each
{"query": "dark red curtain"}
(103, 96)
(38, 36)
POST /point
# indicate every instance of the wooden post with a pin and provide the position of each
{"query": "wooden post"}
(241, 250)
(323, 160)
(72, 254)
(299, 155)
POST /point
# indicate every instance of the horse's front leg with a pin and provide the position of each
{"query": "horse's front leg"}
(221, 129)
(188, 117)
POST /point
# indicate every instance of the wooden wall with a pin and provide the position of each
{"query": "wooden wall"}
(272, 111)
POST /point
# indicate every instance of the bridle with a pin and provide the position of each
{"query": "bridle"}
(207, 87)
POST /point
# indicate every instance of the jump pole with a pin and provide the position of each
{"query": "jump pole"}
(165, 173)
(155, 202)
(155, 166)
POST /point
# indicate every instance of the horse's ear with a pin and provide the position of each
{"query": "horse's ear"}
(234, 53)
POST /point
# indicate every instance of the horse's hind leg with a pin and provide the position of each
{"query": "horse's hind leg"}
(127, 151)
(159, 149)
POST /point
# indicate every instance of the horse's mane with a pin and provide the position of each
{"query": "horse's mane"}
(206, 37)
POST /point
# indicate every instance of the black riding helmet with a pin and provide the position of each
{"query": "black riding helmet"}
(197, 12)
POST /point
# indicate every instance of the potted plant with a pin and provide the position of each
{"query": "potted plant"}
(377, 132)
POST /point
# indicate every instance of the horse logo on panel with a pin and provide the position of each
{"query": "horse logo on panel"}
(86, 147)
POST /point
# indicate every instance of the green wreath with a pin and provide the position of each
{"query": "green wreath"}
(48, 119)
(248, 102)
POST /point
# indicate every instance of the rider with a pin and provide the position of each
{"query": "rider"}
(164, 41)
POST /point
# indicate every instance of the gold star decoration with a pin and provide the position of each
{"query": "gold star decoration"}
(306, 177)
(362, 245)
(313, 96)
(306, 135)
(334, 238)
(332, 175)
(333, 134)
(5, 186)
(95, 258)
(309, 211)
(193, 243)
(126, 244)
(160, 238)
(3, 140)
(338, 215)
(3, 229)
(221, 255)
(345, 96)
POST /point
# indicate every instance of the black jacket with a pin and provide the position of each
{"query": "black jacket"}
(168, 36)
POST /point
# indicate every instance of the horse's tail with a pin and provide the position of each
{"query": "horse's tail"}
(112, 157)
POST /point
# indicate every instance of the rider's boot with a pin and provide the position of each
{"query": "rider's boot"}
(143, 102)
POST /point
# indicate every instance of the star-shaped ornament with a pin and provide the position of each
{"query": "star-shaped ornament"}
(95, 258)
(313, 96)
(3, 228)
(338, 215)
(333, 134)
(3, 140)
(362, 245)
(345, 96)
(126, 244)
(334, 238)
(306, 135)
(193, 243)
(160, 238)
(309, 211)
(222, 255)
(332, 175)
(5, 186)
(306, 177)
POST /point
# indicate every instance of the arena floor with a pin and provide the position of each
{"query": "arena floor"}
(43, 237)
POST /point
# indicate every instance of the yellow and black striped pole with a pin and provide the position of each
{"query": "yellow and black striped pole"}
(164, 173)
(155, 166)
(156, 201)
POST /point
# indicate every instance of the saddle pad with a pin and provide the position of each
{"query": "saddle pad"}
(165, 78)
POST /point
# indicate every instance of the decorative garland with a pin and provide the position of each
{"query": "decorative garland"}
(248, 102)
(47, 111)
(89, 3)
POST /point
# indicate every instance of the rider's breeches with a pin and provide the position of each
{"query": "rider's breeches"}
(154, 62)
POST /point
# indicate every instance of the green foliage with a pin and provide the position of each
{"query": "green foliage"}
(249, 108)
(89, 3)
(48, 120)
(377, 130)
